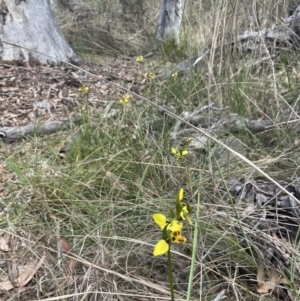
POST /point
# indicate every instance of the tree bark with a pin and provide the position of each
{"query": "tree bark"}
(169, 21)
(31, 24)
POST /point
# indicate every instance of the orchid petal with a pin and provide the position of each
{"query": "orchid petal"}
(160, 220)
(184, 152)
(175, 225)
(174, 150)
(161, 248)
(180, 194)
(178, 238)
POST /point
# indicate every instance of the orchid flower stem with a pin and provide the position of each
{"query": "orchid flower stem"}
(124, 113)
(170, 274)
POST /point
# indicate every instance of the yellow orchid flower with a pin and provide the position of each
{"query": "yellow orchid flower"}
(183, 212)
(188, 140)
(151, 75)
(162, 222)
(174, 233)
(125, 99)
(162, 246)
(139, 59)
(179, 154)
(183, 209)
(84, 89)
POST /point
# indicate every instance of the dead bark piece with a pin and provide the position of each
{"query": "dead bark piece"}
(3, 244)
(13, 134)
(234, 123)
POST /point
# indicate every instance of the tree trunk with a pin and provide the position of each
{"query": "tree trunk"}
(169, 22)
(31, 24)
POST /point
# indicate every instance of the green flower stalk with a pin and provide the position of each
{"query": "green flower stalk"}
(171, 232)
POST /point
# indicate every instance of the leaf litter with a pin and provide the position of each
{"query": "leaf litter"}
(40, 93)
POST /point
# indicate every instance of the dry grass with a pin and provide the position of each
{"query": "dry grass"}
(100, 198)
(110, 27)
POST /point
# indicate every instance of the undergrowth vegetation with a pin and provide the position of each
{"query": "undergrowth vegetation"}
(98, 186)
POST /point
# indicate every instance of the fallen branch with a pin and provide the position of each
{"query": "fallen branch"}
(216, 123)
(13, 134)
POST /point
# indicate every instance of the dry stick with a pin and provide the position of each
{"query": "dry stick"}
(243, 158)
(187, 118)
(12, 134)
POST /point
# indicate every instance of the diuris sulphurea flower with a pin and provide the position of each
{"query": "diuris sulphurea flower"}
(171, 231)
(179, 154)
(171, 234)
(125, 99)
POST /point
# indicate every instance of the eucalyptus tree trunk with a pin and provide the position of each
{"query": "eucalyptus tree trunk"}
(31, 24)
(169, 22)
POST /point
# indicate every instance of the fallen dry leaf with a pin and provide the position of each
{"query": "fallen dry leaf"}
(66, 247)
(34, 270)
(29, 271)
(271, 283)
(260, 275)
(3, 244)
